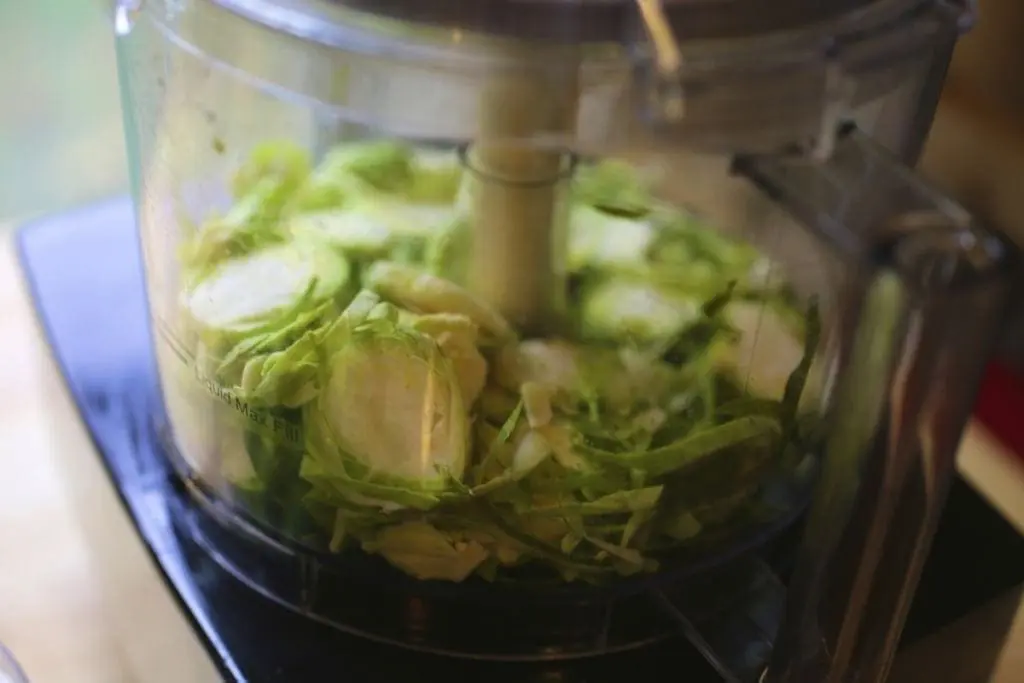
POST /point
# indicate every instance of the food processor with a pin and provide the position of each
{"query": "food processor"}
(536, 339)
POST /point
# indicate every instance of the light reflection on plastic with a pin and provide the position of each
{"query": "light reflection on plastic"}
(124, 16)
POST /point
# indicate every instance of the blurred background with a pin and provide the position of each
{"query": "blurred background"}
(60, 124)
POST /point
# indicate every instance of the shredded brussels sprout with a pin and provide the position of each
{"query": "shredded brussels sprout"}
(425, 429)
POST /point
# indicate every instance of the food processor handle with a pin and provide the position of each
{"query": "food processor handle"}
(924, 293)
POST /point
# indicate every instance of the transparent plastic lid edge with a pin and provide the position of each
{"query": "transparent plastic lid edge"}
(378, 77)
(552, 21)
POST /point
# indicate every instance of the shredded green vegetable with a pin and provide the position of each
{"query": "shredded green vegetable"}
(331, 298)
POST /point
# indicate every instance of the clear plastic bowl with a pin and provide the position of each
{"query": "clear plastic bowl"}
(440, 314)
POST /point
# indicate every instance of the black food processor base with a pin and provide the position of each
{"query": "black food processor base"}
(85, 276)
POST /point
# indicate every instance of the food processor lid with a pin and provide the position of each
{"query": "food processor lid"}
(646, 80)
(601, 20)
(571, 21)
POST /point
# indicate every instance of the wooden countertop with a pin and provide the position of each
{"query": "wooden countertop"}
(57, 617)
(57, 614)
